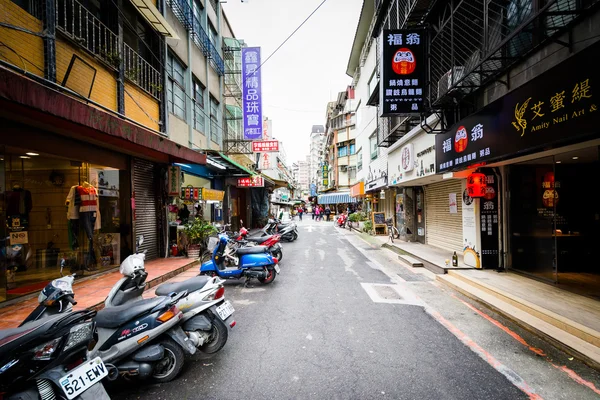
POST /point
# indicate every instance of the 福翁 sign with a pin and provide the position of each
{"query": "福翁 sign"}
(403, 70)
(558, 107)
(263, 146)
(251, 93)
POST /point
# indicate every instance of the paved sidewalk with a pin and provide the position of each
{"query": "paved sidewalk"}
(91, 293)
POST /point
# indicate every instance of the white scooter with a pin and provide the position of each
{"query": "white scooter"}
(206, 313)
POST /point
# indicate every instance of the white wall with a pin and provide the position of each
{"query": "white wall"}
(366, 116)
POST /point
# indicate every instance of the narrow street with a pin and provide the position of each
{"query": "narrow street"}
(346, 320)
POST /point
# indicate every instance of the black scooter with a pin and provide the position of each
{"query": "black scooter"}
(47, 359)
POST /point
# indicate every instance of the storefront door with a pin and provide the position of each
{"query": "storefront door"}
(554, 225)
(420, 213)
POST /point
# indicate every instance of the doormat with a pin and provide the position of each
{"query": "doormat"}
(36, 287)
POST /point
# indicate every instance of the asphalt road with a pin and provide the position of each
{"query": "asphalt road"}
(346, 320)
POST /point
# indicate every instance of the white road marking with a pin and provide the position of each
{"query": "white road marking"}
(406, 295)
(309, 336)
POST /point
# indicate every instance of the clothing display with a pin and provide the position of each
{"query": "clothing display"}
(82, 210)
(18, 206)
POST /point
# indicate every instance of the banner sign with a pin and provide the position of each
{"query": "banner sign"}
(490, 248)
(403, 71)
(251, 93)
(191, 193)
(556, 107)
(174, 180)
(255, 181)
(212, 194)
(262, 146)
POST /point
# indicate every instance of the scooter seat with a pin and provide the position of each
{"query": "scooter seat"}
(259, 239)
(191, 285)
(252, 250)
(112, 317)
(11, 339)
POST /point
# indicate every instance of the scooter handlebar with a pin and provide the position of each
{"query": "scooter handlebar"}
(70, 299)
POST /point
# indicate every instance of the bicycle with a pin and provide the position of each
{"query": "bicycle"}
(392, 230)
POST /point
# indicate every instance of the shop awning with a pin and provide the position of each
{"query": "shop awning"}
(29, 101)
(336, 198)
(155, 18)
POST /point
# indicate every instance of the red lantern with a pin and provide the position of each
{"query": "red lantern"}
(476, 185)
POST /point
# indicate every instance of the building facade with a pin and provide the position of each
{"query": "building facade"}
(339, 147)
(317, 136)
(501, 95)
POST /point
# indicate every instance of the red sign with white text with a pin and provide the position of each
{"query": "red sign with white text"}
(263, 146)
(256, 181)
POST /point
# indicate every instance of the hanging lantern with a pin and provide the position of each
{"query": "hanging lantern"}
(382, 194)
(476, 185)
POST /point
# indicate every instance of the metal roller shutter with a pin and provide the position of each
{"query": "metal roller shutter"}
(443, 229)
(144, 186)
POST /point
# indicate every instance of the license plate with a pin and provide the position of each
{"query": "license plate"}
(277, 269)
(225, 310)
(83, 377)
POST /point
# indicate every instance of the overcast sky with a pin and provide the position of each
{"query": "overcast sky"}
(308, 71)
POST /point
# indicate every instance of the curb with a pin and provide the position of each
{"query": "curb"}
(155, 282)
(527, 321)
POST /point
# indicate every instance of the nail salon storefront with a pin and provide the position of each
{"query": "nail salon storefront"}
(539, 147)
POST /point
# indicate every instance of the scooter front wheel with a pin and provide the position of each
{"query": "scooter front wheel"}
(169, 367)
(278, 254)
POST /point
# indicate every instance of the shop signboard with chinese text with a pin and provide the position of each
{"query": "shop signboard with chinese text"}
(264, 161)
(265, 146)
(212, 194)
(251, 93)
(489, 215)
(191, 193)
(174, 180)
(255, 181)
(403, 71)
(558, 107)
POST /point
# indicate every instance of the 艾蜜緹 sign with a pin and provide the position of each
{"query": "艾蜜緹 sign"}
(559, 106)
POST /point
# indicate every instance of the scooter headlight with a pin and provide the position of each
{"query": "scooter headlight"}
(81, 333)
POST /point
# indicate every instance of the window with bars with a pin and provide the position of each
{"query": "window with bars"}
(359, 160)
(342, 151)
(199, 112)
(176, 86)
(352, 149)
(33, 7)
(215, 134)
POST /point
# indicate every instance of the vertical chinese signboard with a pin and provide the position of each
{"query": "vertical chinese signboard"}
(251, 93)
(489, 222)
(403, 71)
(174, 180)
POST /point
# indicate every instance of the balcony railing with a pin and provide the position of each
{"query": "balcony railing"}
(215, 59)
(76, 22)
(140, 72)
(200, 37)
(182, 11)
(80, 25)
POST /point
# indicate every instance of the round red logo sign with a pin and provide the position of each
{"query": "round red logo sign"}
(404, 62)
(460, 140)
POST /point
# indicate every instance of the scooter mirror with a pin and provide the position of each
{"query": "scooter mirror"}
(241, 222)
(141, 241)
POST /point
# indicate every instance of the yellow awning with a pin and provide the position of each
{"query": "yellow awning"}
(155, 18)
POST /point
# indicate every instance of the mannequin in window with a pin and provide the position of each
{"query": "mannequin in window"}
(18, 205)
(82, 210)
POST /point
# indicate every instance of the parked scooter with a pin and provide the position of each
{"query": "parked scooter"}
(341, 220)
(271, 242)
(206, 313)
(47, 359)
(254, 262)
(136, 338)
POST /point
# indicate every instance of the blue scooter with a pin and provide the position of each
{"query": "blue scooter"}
(249, 262)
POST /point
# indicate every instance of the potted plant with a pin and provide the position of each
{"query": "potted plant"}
(197, 232)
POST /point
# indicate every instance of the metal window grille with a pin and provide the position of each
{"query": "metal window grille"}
(182, 11)
(176, 87)
(215, 135)
(198, 107)
(200, 37)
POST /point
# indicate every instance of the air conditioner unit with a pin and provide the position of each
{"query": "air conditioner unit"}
(343, 168)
